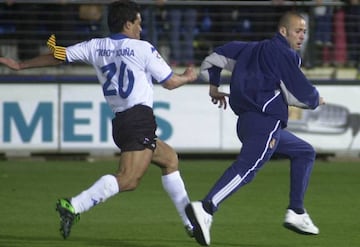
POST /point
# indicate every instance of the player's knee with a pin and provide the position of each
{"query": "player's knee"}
(312, 152)
(308, 152)
(174, 161)
(172, 164)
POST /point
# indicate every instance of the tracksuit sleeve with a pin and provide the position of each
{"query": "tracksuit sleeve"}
(295, 87)
(223, 57)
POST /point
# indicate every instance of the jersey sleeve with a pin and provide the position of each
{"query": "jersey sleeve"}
(155, 64)
(80, 52)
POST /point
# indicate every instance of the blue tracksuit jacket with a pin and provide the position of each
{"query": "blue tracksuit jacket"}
(266, 77)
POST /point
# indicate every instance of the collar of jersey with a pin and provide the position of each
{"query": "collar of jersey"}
(118, 36)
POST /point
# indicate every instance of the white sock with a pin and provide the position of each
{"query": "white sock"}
(101, 190)
(174, 186)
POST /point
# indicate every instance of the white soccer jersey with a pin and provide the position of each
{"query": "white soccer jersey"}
(125, 68)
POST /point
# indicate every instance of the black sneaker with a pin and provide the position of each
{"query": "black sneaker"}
(68, 217)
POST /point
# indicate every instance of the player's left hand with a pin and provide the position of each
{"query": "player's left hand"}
(190, 73)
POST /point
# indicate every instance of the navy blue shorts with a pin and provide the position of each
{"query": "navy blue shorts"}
(134, 129)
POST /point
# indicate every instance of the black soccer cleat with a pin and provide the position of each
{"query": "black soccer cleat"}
(68, 217)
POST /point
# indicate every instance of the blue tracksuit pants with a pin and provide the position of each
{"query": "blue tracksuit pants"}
(261, 137)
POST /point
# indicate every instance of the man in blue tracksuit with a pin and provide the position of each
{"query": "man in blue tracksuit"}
(266, 79)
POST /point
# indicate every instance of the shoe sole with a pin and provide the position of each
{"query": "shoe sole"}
(189, 232)
(297, 230)
(198, 235)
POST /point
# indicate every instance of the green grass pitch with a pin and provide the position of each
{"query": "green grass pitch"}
(252, 217)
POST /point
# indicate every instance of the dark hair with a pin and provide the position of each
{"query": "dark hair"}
(286, 18)
(120, 12)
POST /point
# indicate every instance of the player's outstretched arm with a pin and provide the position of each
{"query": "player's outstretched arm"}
(39, 61)
(177, 80)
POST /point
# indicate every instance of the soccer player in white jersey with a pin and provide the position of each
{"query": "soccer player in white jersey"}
(125, 66)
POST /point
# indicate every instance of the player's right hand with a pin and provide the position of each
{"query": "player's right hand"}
(217, 97)
(10, 63)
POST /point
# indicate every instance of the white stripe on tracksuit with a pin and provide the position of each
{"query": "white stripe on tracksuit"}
(236, 181)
